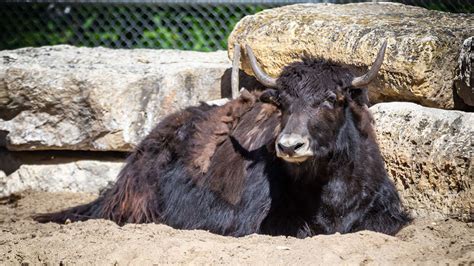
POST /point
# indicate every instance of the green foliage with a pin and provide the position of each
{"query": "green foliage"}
(459, 7)
(187, 27)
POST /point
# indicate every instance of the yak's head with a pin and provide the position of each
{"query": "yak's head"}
(323, 106)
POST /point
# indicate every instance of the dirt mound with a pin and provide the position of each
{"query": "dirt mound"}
(103, 242)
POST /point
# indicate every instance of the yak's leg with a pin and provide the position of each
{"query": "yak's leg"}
(381, 211)
(278, 223)
(386, 214)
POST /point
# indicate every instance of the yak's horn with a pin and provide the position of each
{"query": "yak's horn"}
(235, 72)
(369, 76)
(259, 74)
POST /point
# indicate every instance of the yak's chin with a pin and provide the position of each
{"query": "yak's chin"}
(294, 159)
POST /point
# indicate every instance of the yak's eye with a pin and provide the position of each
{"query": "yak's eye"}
(329, 102)
(270, 96)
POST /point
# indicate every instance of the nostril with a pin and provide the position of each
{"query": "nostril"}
(290, 150)
(298, 145)
(281, 147)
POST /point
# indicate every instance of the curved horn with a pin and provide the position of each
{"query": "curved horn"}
(235, 72)
(259, 74)
(369, 76)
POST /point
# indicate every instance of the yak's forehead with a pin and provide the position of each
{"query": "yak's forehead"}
(313, 78)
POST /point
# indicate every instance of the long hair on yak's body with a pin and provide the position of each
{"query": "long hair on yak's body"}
(189, 158)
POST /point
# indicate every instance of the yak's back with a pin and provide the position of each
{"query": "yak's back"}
(232, 136)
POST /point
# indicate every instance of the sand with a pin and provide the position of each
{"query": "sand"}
(102, 242)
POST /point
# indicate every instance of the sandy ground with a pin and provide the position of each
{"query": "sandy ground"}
(102, 242)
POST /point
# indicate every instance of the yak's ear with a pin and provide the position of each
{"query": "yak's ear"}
(270, 96)
(359, 96)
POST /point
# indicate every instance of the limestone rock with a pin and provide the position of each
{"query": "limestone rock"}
(429, 154)
(67, 98)
(78, 176)
(420, 61)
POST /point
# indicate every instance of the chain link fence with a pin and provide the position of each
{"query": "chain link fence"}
(200, 26)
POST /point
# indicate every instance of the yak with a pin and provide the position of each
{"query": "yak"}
(299, 158)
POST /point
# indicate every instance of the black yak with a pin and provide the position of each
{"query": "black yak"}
(297, 159)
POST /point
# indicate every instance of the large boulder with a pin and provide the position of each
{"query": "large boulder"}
(67, 98)
(420, 61)
(89, 176)
(429, 154)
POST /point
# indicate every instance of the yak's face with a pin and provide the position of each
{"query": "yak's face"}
(312, 96)
(319, 101)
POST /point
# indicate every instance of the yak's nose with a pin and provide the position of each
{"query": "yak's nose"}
(292, 145)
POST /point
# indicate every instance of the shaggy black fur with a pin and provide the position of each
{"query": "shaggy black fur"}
(215, 168)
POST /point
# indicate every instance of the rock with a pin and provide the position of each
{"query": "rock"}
(420, 61)
(67, 98)
(78, 176)
(464, 83)
(10, 161)
(428, 153)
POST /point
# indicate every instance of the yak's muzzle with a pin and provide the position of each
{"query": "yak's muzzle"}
(293, 147)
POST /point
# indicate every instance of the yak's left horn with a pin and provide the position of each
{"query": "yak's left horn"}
(234, 80)
(234, 83)
(369, 76)
(259, 74)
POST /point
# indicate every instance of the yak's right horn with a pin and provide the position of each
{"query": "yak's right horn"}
(364, 80)
(261, 76)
